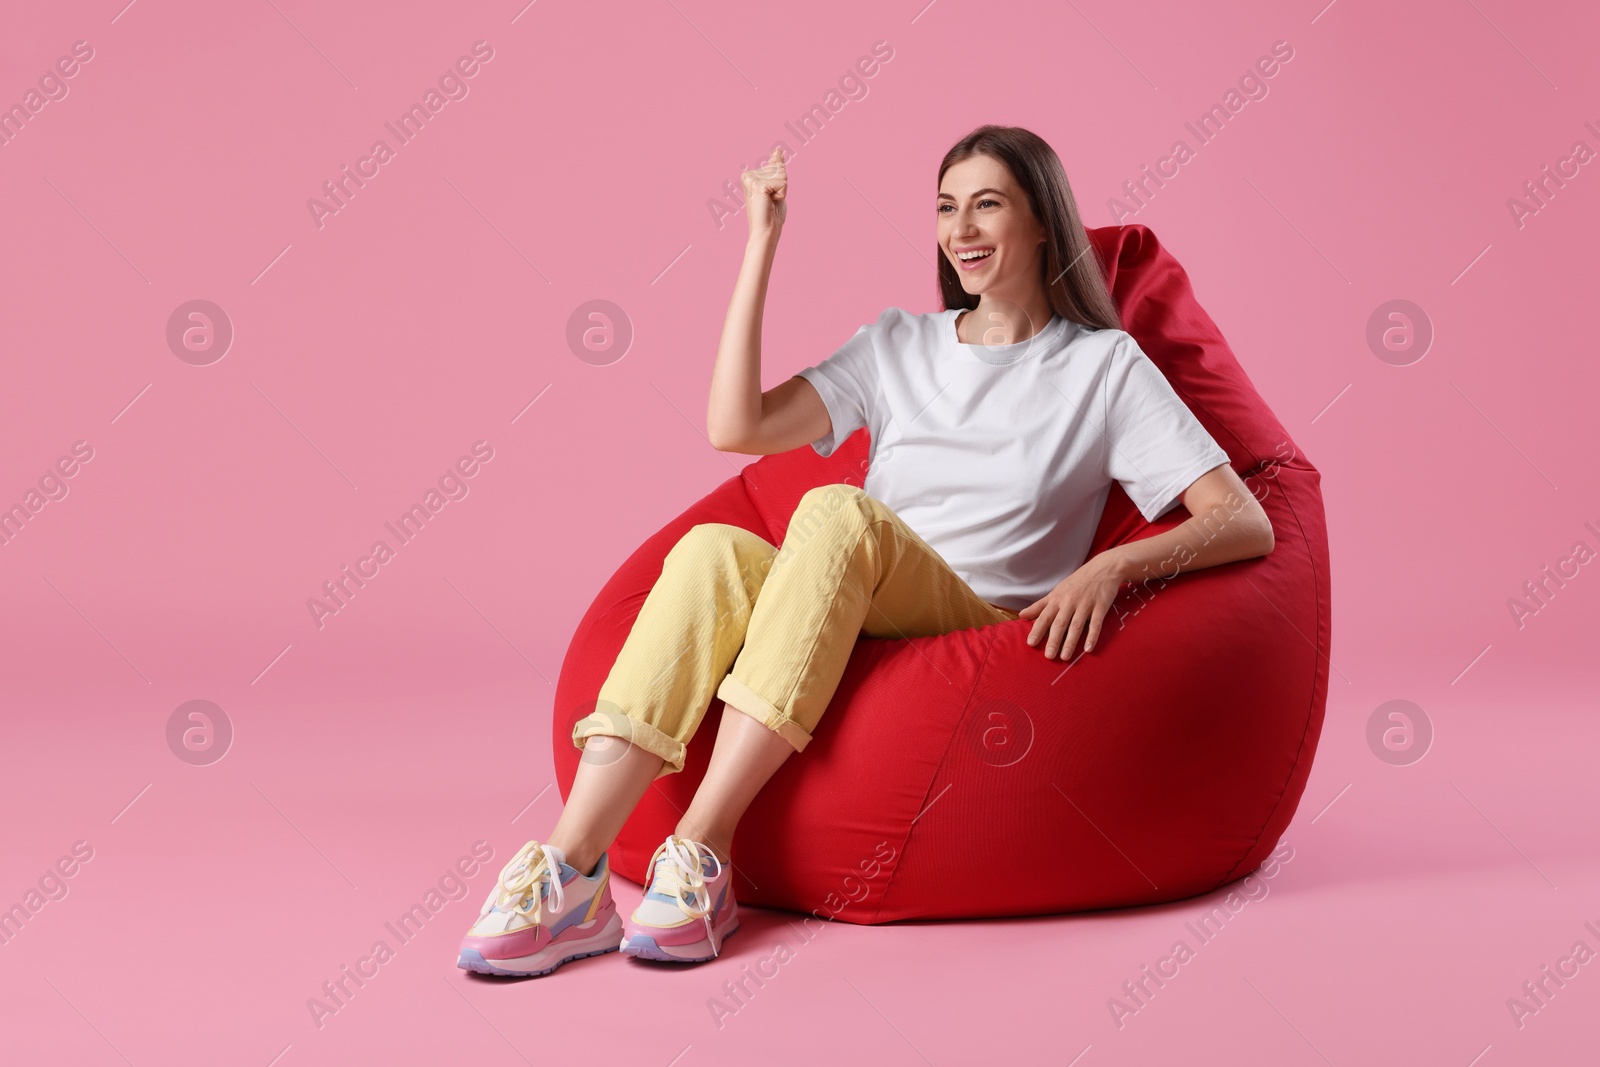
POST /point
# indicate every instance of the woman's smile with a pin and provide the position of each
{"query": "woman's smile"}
(976, 262)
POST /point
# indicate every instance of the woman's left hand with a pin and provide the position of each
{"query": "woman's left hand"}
(1075, 606)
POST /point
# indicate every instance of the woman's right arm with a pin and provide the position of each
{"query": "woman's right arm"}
(740, 417)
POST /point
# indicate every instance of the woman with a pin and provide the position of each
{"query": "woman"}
(997, 427)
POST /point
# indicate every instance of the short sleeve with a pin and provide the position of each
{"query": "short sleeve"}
(1155, 447)
(847, 381)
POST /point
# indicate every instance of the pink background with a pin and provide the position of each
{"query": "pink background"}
(428, 314)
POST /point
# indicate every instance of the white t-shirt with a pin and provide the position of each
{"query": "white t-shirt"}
(1000, 457)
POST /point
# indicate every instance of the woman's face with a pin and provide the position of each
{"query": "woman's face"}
(982, 209)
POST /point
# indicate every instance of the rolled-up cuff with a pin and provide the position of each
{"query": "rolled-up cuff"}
(742, 698)
(636, 731)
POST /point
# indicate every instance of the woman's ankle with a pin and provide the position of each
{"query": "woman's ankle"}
(583, 858)
(584, 864)
(718, 845)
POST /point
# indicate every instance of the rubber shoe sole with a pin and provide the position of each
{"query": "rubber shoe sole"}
(605, 939)
(644, 947)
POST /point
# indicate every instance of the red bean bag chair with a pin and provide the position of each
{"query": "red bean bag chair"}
(1162, 765)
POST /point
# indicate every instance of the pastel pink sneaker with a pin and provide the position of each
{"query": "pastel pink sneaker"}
(541, 913)
(688, 908)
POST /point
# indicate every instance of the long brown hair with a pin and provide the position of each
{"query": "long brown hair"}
(1071, 272)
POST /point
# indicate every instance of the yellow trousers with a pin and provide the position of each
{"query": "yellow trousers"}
(848, 566)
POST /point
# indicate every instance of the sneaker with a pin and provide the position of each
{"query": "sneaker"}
(541, 913)
(688, 907)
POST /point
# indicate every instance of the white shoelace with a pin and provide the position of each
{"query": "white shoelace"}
(520, 878)
(684, 871)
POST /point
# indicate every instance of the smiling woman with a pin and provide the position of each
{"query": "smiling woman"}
(1003, 192)
(1011, 413)
(1185, 735)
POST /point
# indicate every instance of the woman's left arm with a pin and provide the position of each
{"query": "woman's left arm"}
(1226, 523)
